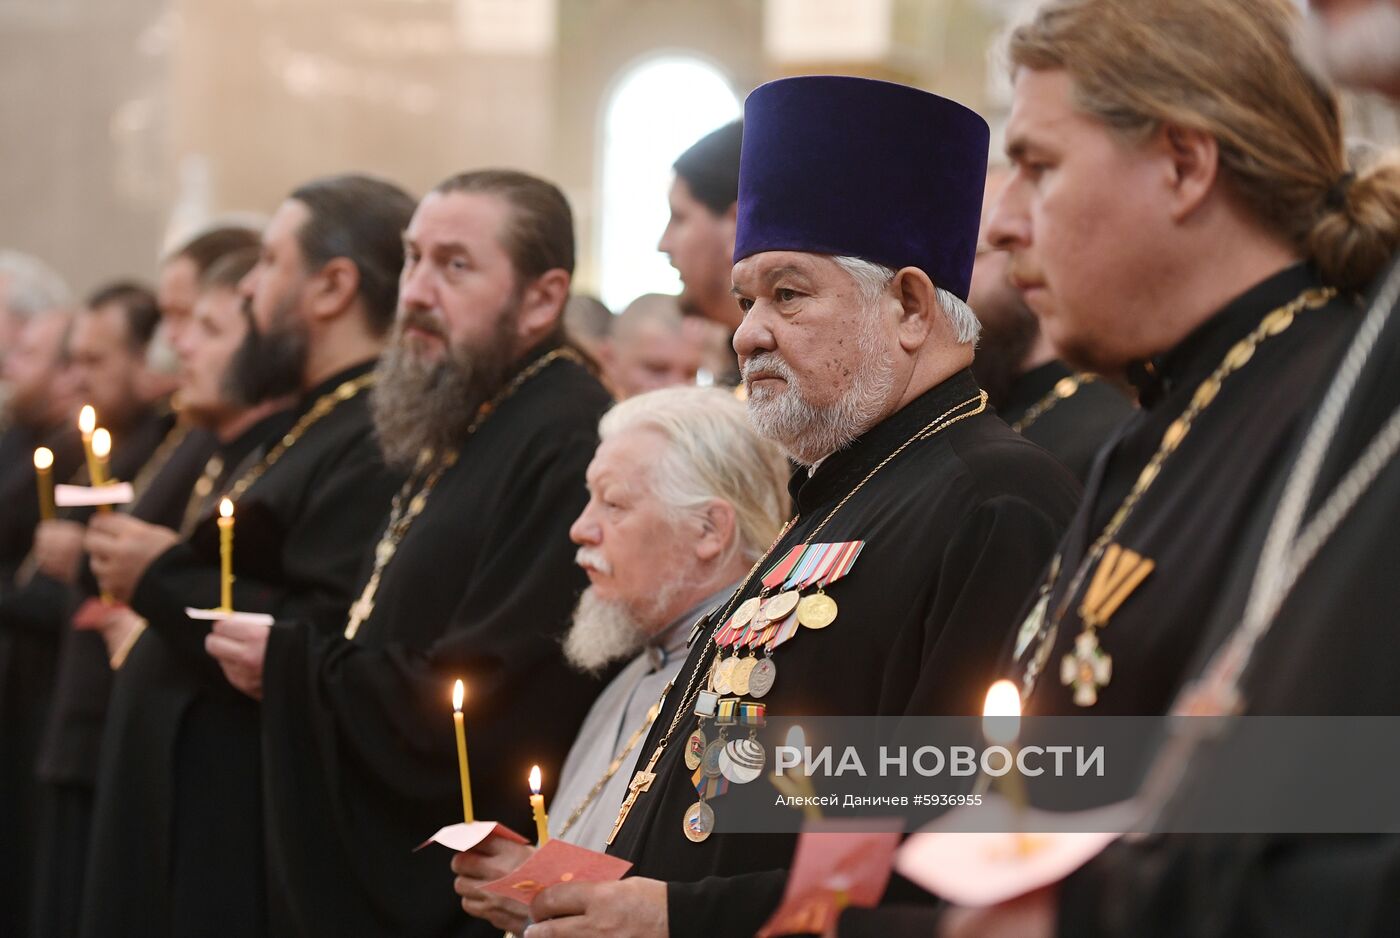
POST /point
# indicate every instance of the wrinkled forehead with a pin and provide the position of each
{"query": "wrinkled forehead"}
(761, 271)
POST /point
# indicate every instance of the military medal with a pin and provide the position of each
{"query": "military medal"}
(746, 611)
(724, 672)
(777, 608)
(816, 611)
(1088, 669)
(699, 822)
(740, 681)
(761, 678)
(695, 749)
(709, 758)
(742, 760)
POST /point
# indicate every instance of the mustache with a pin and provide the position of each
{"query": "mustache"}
(424, 321)
(592, 557)
(770, 363)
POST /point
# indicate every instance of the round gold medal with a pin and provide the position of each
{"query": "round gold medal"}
(695, 749)
(724, 676)
(778, 607)
(699, 822)
(746, 611)
(739, 680)
(816, 611)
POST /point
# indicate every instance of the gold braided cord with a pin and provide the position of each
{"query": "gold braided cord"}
(1274, 323)
(412, 496)
(324, 405)
(1063, 390)
(692, 691)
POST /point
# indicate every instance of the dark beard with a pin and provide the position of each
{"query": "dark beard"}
(419, 405)
(267, 365)
(1006, 340)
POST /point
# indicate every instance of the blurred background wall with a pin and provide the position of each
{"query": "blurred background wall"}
(127, 123)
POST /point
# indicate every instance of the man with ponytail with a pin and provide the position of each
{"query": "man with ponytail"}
(1182, 215)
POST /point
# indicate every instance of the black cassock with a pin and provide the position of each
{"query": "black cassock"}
(300, 533)
(1193, 522)
(162, 461)
(359, 750)
(1332, 650)
(152, 717)
(29, 638)
(956, 528)
(1072, 429)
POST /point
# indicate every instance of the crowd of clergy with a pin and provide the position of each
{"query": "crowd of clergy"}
(1110, 415)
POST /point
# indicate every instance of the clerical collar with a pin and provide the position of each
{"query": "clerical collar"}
(1195, 356)
(672, 640)
(841, 470)
(334, 381)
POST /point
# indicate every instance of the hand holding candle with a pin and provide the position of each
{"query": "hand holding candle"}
(226, 555)
(458, 692)
(43, 474)
(537, 806)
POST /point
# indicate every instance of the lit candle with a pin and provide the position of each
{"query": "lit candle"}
(87, 423)
(43, 474)
(101, 452)
(1001, 725)
(226, 555)
(537, 806)
(101, 449)
(458, 692)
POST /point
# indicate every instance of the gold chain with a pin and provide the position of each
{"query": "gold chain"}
(412, 496)
(324, 405)
(616, 764)
(1239, 354)
(1063, 390)
(692, 691)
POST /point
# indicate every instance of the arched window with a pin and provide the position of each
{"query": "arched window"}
(658, 109)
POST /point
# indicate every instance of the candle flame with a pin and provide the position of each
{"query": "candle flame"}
(101, 443)
(87, 419)
(1001, 714)
(225, 508)
(459, 691)
(43, 458)
(534, 780)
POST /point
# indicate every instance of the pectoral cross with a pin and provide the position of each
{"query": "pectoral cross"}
(1087, 669)
(640, 782)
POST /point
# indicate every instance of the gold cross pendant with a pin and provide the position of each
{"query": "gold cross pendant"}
(640, 782)
(1087, 669)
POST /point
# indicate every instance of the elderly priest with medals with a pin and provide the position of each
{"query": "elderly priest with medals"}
(919, 515)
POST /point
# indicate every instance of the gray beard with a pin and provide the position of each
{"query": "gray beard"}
(420, 406)
(808, 432)
(607, 631)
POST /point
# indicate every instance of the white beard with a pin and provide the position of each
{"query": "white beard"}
(603, 631)
(810, 433)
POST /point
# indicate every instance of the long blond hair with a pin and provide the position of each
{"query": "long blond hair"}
(1229, 68)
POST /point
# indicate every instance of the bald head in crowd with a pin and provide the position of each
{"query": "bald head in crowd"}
(650, 348)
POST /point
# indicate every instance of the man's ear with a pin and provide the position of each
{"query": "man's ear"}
(542, 305)
(717, 527)
(333, 288)
(1192, 164)
(918, 307)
